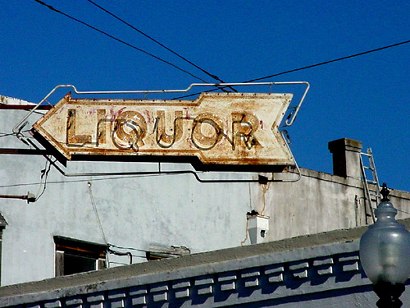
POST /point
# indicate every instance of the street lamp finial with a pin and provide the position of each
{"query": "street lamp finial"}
(385, 192)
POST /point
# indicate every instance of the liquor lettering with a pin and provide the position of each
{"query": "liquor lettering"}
(132, 130)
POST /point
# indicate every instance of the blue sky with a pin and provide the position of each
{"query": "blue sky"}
(364, 98)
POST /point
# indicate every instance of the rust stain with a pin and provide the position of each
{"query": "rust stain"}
(218, 128)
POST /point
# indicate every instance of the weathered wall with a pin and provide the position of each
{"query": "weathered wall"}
(321, 270)
(139, 211)
(318, 202)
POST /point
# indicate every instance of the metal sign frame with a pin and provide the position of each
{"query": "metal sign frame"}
(287, 123)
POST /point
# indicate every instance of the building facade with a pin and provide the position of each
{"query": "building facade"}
(321, 270)
(89, 215)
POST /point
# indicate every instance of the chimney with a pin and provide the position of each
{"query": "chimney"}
(346, 157)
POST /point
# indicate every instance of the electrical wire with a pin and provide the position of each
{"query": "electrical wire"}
(6, 134)
(306, 67)
(331, 61)
(265, 188)
(120, 253)
(250, 80)
(405, 212)
(2, 134)
(157, 42)
(127, 248)
(246, 233)
(104, 178)
(90, 191)
(44, 177)
(117, 39)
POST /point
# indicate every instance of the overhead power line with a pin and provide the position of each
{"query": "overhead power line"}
(213, 76)
(156, 41)
(331, 61)
(306, 67)
(117, 39)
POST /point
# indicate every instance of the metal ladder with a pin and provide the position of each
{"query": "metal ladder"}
(369, 176)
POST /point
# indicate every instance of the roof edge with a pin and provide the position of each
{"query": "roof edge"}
(307, 243)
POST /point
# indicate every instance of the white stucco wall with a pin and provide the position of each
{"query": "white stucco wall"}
(141, 211)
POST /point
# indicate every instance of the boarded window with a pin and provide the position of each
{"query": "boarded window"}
(74, 256)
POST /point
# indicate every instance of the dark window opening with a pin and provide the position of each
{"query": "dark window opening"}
(74, 256)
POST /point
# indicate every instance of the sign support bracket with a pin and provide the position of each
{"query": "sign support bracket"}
(17, 129)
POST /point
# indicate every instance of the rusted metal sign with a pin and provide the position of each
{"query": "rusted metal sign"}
(222, 128)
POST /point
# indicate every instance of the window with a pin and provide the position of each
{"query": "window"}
(74, 256)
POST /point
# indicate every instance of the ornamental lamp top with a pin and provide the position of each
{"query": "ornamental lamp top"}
(385, 246)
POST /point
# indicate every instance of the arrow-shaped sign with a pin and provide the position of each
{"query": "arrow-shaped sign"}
(222, 128)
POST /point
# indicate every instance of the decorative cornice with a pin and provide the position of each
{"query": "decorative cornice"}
(243, 285)
(275, 271)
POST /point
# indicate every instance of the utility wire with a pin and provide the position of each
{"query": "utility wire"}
(97, 215)
(331, 61)
(117, 39)
(44, 176)
(6, 134)
(315, 65)
(156, 41)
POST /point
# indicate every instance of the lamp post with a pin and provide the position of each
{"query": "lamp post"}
(385, 254)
